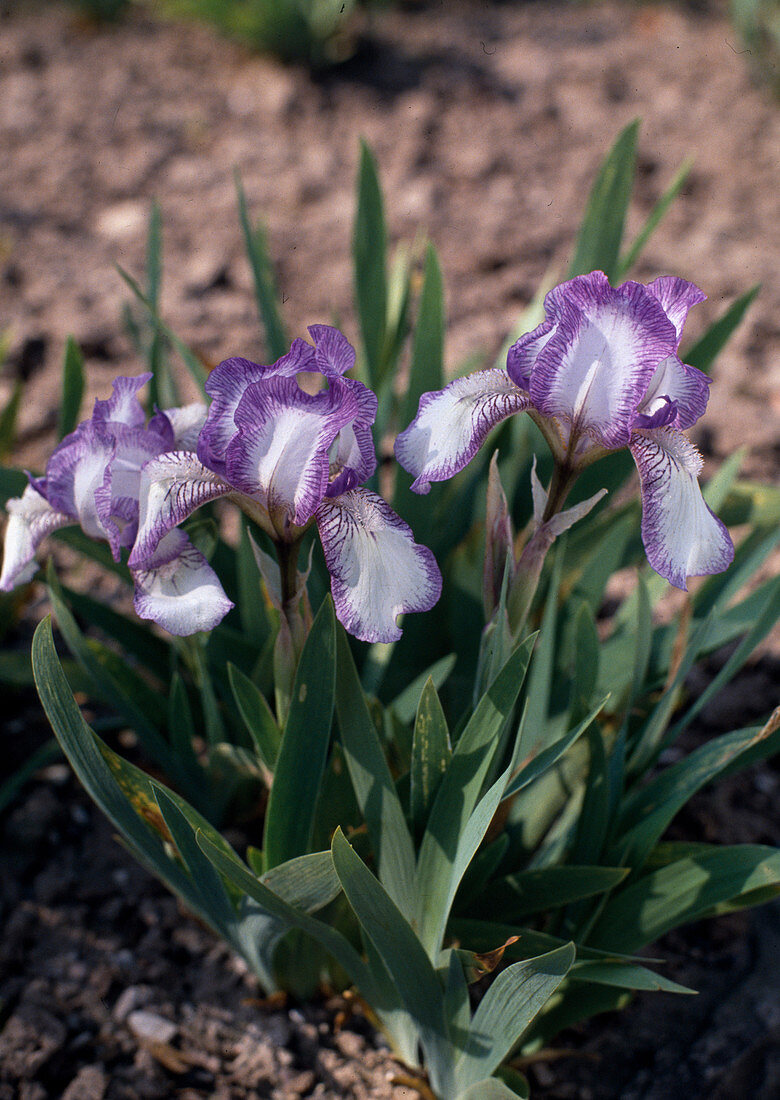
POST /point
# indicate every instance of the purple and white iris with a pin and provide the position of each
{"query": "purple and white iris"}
(290, 458)
(600, 373)
(93, 479)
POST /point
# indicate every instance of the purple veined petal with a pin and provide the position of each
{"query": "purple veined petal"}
(280, 454)
(186, 423)
(595, 369)
(123, 406)
(452, 424)
(682, 537)
(522, 355)
(377, 570)
(178, 589)
(227, 384)
(687, 388)
(352, 456)
(78, 470)
(116, 500)
(173, 486)
(676, 297)
(30, 519)
(334, 355)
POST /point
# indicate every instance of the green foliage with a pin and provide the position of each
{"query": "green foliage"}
(479, 811)
(314, 31)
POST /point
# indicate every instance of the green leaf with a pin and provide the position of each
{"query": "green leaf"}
(598, 245)
(426, 370)
(13, 483)
(510, 1005)
(106, 684)
(648, 812)
(206, 882)
(403, 955)
(406, 702)
(431, 755)
(653, 220)
(517, 896)
(256, 714)
(537, 698)
(765, 621)
(594, 815)
(369, 248)
(682, 892)
(705, 351)
(8, 417)
(98, 552)
(10, 787)
(624, 975)
(134, 636)
(437, 866)
(266, 295)
(373, 785)
(191, 361)
(538, 765)
(124, 793)
(292, 916)
(308, 882)
(490, 1089)
(292, 802)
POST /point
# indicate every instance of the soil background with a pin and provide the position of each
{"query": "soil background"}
(488, 122)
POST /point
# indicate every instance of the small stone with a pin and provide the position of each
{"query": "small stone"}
(148, 1027)
(90, 1083)
(130, 999)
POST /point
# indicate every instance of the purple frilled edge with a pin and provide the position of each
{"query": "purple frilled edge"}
(601, 372)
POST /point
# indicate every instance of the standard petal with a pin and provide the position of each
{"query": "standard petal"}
(676, 297)
(334, 355)
(186, 423)
(681, 535)
(172, 487)
(227, 384)
(377, 570)
(30, 520)
(116, 500)
(280, 454)
(595, 369)
(353, 455)
(452, 424)
(178, 589)
(522, 355)
(123, 406)
(78, 470)
(674, 383)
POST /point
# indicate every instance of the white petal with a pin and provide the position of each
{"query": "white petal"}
(377, 569)
(187, 422)
(681, 535)
(452, 424)
(178, 589)
(30, 520)
(173, 486)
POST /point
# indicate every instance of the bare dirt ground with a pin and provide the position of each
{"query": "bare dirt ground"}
(488, 122)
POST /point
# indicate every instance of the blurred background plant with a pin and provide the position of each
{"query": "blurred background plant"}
(758, 24)
(320, 33)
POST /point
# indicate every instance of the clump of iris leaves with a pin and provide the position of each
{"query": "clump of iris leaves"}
(406, 839)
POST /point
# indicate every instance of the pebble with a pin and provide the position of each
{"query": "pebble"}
(130, 999)
(90, 1083)
(151, 1028)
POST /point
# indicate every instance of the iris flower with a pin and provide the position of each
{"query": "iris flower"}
(600, 373)
(92, 479)
(290, 459)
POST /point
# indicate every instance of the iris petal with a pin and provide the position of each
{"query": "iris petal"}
(452, 424)
(681, 535)
(173, 486)
(30, 519)
(377, 570)
(178, 589)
